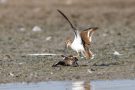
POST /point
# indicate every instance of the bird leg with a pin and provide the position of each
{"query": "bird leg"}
(88, 54)
(91, 54)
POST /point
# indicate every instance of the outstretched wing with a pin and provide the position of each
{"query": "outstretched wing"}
(86, 35)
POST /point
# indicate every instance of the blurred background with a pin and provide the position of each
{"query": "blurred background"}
(33, 25)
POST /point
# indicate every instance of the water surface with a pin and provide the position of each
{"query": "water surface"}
(72, 85)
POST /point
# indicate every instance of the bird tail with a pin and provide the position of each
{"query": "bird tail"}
(72, 26)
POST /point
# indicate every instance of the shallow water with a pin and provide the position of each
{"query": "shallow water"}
(72, 85)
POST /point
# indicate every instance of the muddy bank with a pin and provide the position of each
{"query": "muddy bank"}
(18, 38)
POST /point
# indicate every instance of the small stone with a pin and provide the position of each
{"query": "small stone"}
(116, 53)
(36, 29)
(89, 71)
(11, 74)
(48, 38)
(20, 63)
(51, 73)
(22, 29)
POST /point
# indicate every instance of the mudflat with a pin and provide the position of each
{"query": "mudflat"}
(35, 26)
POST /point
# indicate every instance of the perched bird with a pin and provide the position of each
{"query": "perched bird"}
(82, 39)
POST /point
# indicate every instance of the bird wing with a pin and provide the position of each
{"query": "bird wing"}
(86, 35)
(85, 38)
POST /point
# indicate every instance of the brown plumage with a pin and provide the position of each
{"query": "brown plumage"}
(86, 35)
(67, 61)
(82, 39)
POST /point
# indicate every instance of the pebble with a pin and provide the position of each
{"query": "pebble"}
(22, 29)
(89, 71)
(11, 74)
(36, 29)
(48, 38)
(116, 53)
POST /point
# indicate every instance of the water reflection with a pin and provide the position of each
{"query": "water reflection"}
(70, 85)
(51, 85)
(79, 85)
(113, 85)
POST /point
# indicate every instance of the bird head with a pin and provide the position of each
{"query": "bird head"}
(68, 42)
(67, 45)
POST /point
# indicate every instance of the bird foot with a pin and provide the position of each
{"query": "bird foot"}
(93, 56)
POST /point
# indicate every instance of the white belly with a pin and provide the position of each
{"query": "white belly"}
(77, 45)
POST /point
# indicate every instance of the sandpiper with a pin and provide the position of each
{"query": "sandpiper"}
(67, 61)
(82, 39)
